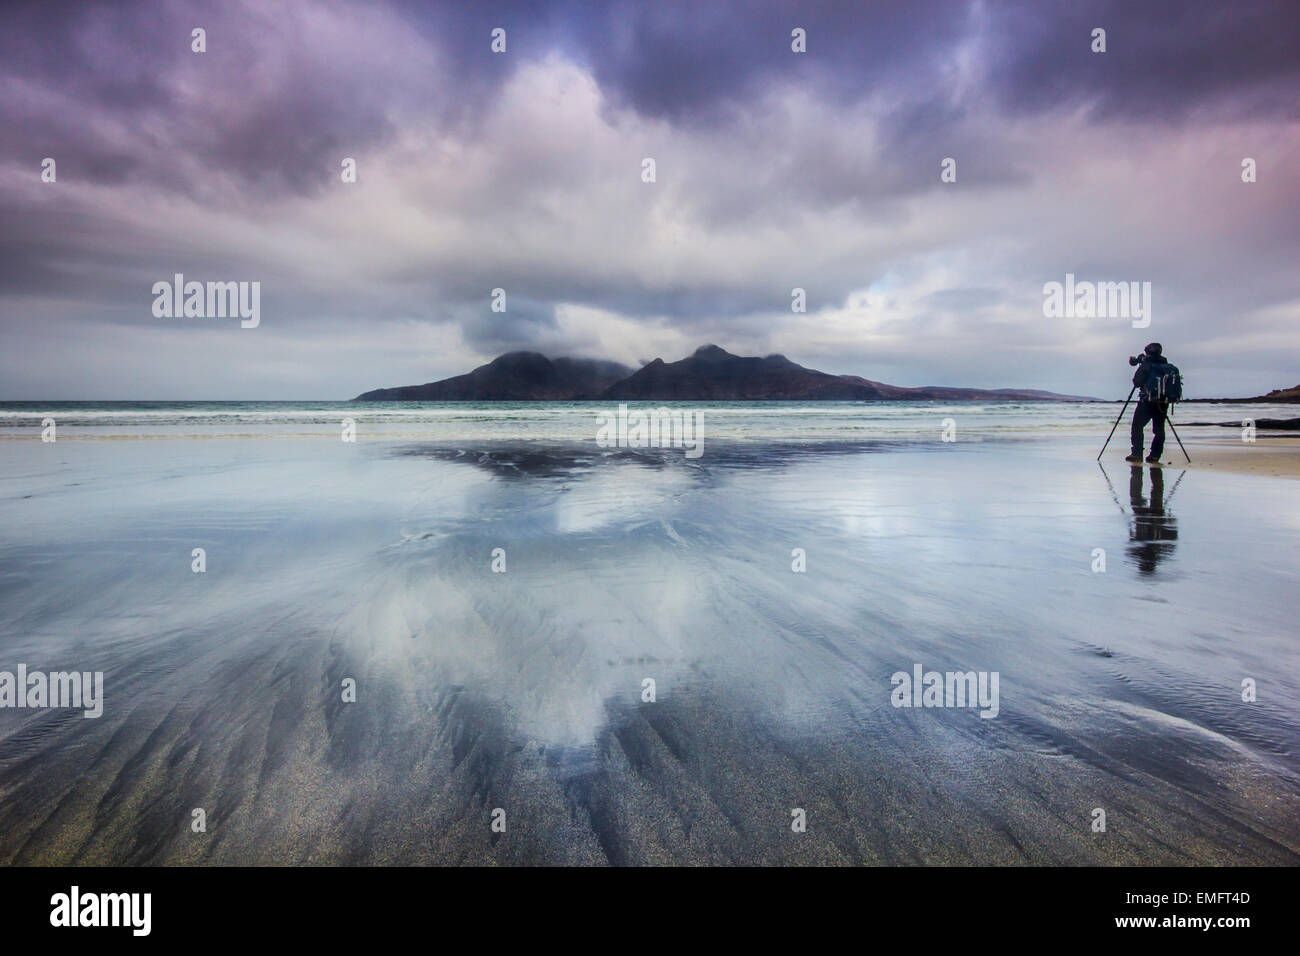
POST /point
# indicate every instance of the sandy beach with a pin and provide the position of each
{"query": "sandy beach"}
(523, 690)
(1276, 456)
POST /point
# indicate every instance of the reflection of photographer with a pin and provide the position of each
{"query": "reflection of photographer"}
(1154, 532)
(1155, 380)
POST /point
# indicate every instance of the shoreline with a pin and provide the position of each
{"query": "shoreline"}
(1274, 456)
(1271, 455)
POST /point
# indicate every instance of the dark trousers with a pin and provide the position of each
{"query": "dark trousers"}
(1154, 413)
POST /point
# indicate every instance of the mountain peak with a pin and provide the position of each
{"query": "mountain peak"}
(711, 351)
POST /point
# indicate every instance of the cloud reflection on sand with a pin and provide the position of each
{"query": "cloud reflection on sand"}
(522, 689)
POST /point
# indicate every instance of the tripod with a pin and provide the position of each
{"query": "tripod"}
(1168, 420)
(1117, 418)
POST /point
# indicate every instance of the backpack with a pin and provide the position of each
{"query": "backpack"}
(1164, 384)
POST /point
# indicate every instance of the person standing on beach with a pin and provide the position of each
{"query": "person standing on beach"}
(1147, 409)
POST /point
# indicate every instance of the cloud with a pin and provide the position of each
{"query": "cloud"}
(774, 171)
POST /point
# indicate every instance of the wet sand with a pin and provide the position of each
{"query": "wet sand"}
(522, 690)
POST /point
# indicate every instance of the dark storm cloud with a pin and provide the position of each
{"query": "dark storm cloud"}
(115, 93)
(120, 114)
(107, 55)
(699, 61)
(1165, 59)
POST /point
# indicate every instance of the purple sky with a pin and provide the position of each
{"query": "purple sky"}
(522, 171)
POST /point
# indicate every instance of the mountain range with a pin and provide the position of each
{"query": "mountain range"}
(709, 374)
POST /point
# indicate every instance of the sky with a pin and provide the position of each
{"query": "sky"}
(523, 170)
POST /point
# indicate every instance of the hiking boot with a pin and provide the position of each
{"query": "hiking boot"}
(1153, 459)
(1135, 458)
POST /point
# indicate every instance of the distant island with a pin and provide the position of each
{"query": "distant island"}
(1278, 395)
(709, 374)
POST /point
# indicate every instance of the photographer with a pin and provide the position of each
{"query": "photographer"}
(1147, 409)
